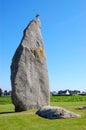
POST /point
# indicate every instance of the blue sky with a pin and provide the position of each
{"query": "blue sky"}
(64, 34)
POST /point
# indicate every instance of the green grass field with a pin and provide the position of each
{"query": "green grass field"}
(28, 120)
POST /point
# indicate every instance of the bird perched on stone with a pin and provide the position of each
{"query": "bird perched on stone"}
(37, 15)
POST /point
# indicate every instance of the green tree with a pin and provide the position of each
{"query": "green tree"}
(0, 92)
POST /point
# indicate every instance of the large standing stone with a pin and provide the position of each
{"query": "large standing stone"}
(29, 75)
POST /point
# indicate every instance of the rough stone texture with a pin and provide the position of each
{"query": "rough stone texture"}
(29, 75)
(54, 112)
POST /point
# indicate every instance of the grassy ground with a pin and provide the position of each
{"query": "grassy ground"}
(67, 98)
(28, 120)
(5, 100)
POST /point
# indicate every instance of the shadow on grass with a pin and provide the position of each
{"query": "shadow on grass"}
(9, 112)
(81, 108)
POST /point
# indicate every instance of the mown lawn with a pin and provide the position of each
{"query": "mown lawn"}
(28, 120)
(67, 98)
(5, 100)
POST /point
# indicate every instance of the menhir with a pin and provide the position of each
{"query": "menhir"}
(29, 74)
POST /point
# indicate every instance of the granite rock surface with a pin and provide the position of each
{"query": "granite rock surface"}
(29, 74)
(54, 112)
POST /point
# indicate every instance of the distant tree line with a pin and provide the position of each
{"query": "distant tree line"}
(67, 92)
(5, 93)
(53, 93)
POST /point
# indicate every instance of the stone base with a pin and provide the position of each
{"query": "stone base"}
(54, 112)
